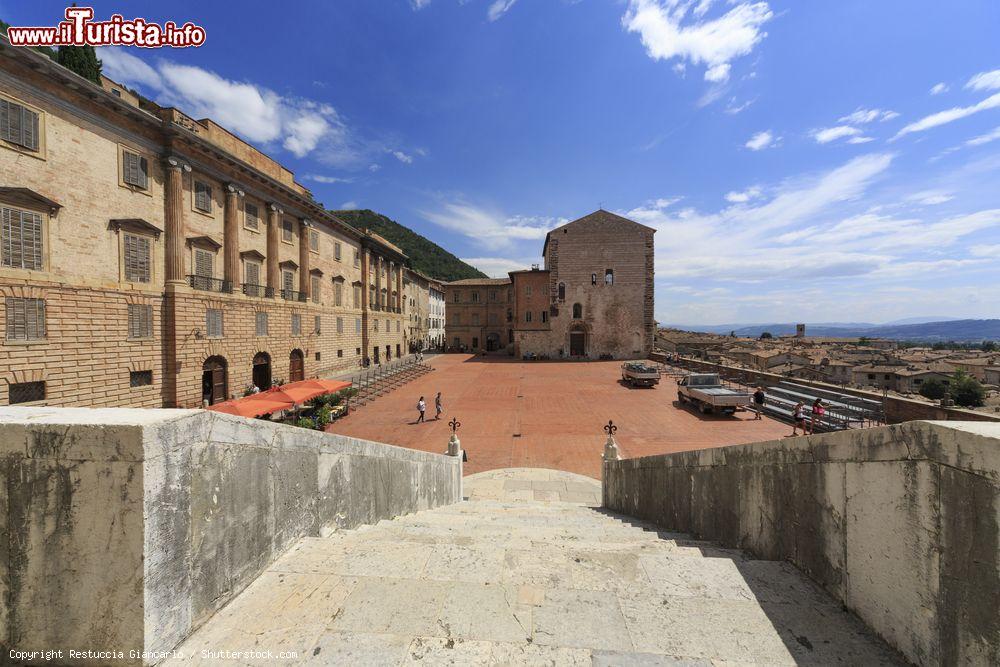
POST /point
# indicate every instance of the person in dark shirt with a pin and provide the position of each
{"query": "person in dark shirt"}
(758, 401)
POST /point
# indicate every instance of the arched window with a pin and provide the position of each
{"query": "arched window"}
(296, 366)
(577, 311)
(609, 277)
(593, 278)
(262, 370)
(562, 291)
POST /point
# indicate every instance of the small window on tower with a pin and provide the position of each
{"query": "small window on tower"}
(609, 277)
(593, 278)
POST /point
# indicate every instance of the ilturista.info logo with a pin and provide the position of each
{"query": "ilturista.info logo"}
(80, 29)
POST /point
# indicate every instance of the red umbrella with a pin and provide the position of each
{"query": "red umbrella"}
(253, 406)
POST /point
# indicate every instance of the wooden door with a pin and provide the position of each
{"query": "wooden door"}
(296, 367)
(214, 380)
(576, 344)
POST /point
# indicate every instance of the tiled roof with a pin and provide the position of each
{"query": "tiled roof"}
(480, 281)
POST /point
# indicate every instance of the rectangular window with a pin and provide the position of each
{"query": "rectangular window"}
(398, 323)
(261, 324)
(336, 251)
(25, 319)
(357, 296)
(357, 351)
(493, 319)
(26, 392)
(527, 316)
(340, 325)
(204, 263)
(493, 295)
(315, 288)
(213, 323)
(251, 215)
(138, 258)
(475, 297)
(527, 290)
(340, 354)
(456, 319)
(140, 378)
(252, 273)
(140, 321)
(475, 319)
(287, 280)
(338, 294)
(21, 239)
(135, 169)
(357, 258)
(296, 324)
(318, 324)
(203, 196)
(314, 240)
(545, 316)
(455, 298)
(286, 231)
(18, 125)
(357, 326)
(609, 277)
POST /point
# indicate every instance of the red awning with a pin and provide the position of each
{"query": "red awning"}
(280, 398)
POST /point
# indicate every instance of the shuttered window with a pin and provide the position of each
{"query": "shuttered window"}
(252, 270)
(318, 325)
(203, 196)
(314, 240)
(296, 324)
(140, 321)
(19, 125)
(138, 255)
(204, 263)
(357, 296)
(286, 231)
(26, 392)
(340, 325)
(135, 169)
(357, 258)
(20, 239)
(338, 294)
(261, 324)
(287, 280)
(357, 326)
(213, 323)
(25, 318)
(336, 251)
(252, 215)
(316, 286)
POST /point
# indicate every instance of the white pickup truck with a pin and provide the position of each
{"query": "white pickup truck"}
(705, 391)
(638, 374)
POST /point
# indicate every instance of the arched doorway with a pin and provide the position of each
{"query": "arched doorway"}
(214, 380)
(492, 341)
(296, 366)
(262, 370)
(578, 341)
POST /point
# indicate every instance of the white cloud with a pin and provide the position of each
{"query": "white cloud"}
(305, 132)
(930, 197)
(733, 108)
(992, 135)
(939, 88)
(761, 140)
(402, 157)
(985, 251)
(319, 178)
(487, 228)
(668, 32)
(419, 4)
(828, 134)
(949, 115)
(744, 196)
(121, 66)
(985, 81)
(349, 206)
(498, 267)
(373, 167)
(860, 140)
(499, 8)
(863, 116)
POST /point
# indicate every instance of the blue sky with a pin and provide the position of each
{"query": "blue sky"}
(815, 161)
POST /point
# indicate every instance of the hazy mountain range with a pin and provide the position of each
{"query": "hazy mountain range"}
(912, 328)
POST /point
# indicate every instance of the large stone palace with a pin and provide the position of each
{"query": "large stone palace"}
(151, 259)
(592, 299)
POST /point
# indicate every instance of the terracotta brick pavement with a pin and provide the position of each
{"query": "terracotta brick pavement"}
(544, 415)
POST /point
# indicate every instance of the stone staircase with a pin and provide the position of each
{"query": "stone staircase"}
(529, 582)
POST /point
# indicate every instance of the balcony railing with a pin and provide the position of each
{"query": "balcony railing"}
(207, 284)
(292, 295)
(260, 291)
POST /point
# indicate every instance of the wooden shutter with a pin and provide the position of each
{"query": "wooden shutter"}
(296, 325)
(314, 240)
(316, 286)
(14, 123)
(287, 280)
(140, 321)
(19, 125)
(203, 196)
(138, 258)
(20, 239)
(252, 273)
(336, 251)
(203, 261)
(135, 169)
(252, 215)
(29, 121)
(25, 318)
(5, 111)
(340, 325)
(286, 231)
(338, 294)
(261, 324)
(213, 323)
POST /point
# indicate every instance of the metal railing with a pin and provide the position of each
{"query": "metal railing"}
(260, 291)
(377, 380)
(292, 295)
(206, 284)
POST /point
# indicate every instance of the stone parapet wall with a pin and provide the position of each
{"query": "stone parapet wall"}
(901, 523)
(128, 528)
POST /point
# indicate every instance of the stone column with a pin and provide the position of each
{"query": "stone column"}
(304, 282)
(231, 237)
(173, 218)
(274, 214)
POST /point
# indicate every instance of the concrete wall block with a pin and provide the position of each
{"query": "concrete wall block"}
(893, 534)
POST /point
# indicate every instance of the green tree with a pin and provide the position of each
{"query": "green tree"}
(966, 391)
(988, 346)
(766, 335)
(933, 389)
(82, 60)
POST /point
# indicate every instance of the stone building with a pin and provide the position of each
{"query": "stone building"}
(417, 298)
(151, 259)
(436, 314)
(593, 298)
(479, 314)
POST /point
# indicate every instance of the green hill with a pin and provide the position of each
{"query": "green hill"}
(425, 256)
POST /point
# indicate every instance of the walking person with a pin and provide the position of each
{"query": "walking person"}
(817, 413)
(421, 408)
(799, 415)
(438, 408)
(758, 401)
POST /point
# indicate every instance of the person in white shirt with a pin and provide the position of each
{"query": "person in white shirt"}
(421, 408)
